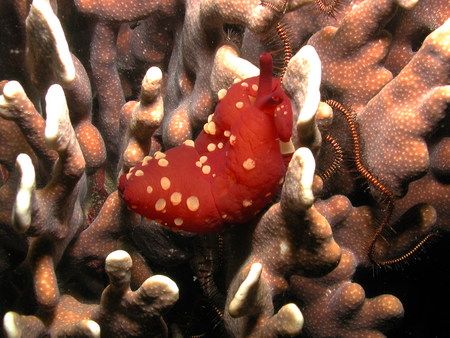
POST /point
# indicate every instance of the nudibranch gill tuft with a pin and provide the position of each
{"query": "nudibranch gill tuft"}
(230, 172)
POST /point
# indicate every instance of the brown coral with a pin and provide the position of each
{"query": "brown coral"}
(278, 273)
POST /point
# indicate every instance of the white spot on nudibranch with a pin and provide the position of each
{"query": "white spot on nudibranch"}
(193, 203)
(211, 147)
(206, 169)
(160, 204)
(247, 203)
(249, 164)
(212, 128)
(149, 189)
(239, 104)
(163, 162)
(159, 155)
(165, 183)
(175, 198)
(139, 173)
(178, 221)
(203, 159)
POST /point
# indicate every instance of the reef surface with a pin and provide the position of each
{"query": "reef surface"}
(352, 241)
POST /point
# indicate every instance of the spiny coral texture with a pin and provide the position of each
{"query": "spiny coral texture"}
(299, 267)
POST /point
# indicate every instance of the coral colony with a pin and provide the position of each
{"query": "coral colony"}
(221, 168)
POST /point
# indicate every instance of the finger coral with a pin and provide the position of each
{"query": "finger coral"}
(212, 168)
(121, 312)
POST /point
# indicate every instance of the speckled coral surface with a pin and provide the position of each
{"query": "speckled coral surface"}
(353, 60)
(335, 296)
(411, 28)
(352, 53)
(395, 123)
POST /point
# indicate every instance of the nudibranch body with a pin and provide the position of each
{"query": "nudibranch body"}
(229, 173)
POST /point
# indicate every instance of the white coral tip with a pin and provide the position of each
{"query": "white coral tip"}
(57, 114)
(292, 319)
(170, 286)
(92, 328)
(42, 11)
(12, 89)
(118, 260)
(154, 74)
(10, 326)
(22, 206)
(253, 276)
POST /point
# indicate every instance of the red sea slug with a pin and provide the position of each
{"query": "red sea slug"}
(230, 172)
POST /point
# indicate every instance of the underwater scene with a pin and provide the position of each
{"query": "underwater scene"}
(224, 168)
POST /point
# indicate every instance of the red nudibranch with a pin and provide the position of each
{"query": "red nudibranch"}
(230, 172)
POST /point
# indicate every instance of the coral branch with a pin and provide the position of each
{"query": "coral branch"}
(302, 82)
(252, 290)
(15, 105)
(334, 296)
(415, 100)
(121, 311)
(292, 211)
(146, 116)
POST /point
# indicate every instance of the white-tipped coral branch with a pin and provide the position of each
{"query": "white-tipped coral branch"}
(239, 304)
(381, 66)
(120, 312)
(16, 106)
(22, 207)
(228, 67)
(302, 83)
(142, 118)
(289, 224)
(336, 297)
(47, 44)
(297, 193)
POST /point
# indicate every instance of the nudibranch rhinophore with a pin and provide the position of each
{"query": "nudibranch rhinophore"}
(230, 172)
